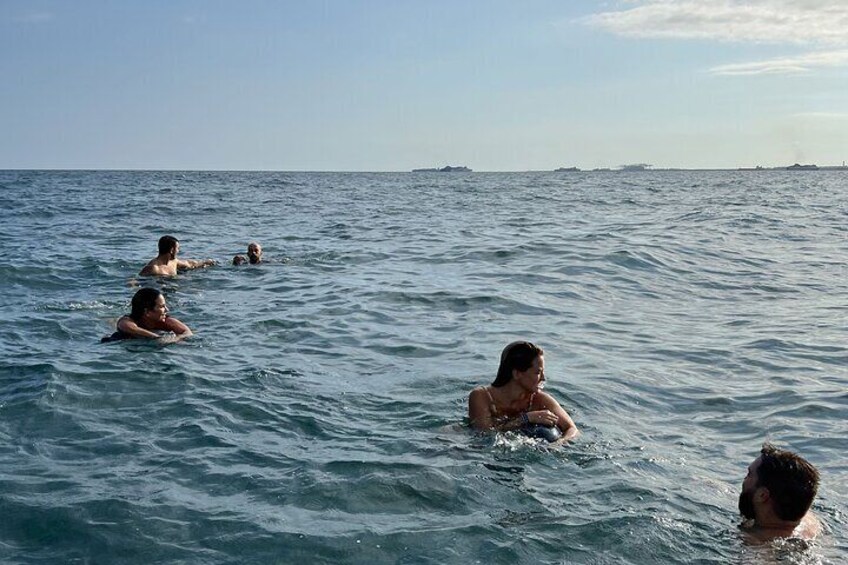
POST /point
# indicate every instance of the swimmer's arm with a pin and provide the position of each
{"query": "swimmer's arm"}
(187, 264)
(478, 410)
(564, 421)
(128, 326)
(173, 325)
(180, 330)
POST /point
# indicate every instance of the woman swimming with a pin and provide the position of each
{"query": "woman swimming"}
(149, 315)
(515, 401)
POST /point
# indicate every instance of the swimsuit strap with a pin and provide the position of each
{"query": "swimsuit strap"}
(492, 406)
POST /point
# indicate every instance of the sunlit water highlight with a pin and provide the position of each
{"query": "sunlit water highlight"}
(317, 414)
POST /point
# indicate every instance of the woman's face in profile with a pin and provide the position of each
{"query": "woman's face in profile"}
(158, 312)
(533, 376)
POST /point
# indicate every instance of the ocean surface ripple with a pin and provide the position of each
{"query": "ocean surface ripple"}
(319, 412)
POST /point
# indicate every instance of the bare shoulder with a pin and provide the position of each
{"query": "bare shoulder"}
(810, 527)
(544, 399)
(478, 392)
(125, 322)
(154, 268)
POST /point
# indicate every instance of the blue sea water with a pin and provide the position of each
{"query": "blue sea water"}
(318, 412)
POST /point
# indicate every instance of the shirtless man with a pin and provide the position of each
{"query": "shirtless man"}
(254, 255)
(776, 497)
(167, 264)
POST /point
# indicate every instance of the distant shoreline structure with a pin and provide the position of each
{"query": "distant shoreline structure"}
(445, 169)
(635, 167)
(798, 167)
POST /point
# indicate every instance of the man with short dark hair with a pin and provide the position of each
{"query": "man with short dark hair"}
(777, 494)
(167, 264)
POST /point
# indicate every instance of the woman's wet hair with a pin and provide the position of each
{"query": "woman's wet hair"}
(144, 300)
(518, 355)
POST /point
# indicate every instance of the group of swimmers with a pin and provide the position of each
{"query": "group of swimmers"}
(167, 264)
(777, 492)
(148, 310)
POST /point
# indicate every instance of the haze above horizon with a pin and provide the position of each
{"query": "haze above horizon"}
(387, 86)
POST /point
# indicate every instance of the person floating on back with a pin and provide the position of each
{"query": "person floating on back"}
(515, 400)
(776, 497)
(148, 315)
(167, 264)
(254, 255)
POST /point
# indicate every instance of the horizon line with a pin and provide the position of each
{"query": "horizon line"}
(619, 169)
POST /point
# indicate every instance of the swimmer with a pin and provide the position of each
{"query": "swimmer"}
(515, 401)
(149, 314)
(254, 255)
(776, 497)
(167, 264)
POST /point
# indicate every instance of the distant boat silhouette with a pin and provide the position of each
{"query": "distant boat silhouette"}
(636, 167)
(567, 170)
(797, 167)
(447, 169)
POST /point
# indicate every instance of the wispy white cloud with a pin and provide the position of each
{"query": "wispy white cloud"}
(829, 116)
(33, 18)
(786, 65)
(818, 24)
(823, 22)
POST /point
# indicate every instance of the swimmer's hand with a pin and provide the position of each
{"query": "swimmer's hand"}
(171, 337)
(549, 419)
(542, 417)
(570, 433)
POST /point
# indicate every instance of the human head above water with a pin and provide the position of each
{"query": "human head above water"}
(791, 481)
(518, 355)
(254, 252)
(168, 244)
(144, 300)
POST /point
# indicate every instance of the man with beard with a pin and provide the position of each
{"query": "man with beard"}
(254, 255)
(776, 496)
(167, 264)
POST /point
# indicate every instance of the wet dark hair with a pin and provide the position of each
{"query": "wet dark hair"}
(517, 355)
(790, 479)
(167, 243)
(144, 300)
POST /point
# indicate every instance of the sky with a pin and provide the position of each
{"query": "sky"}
(391, 85)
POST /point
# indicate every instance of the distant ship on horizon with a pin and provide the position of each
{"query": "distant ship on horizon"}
(799, 167)
(445, 169)
(567, 170)
(636, 167)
